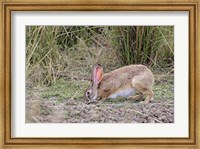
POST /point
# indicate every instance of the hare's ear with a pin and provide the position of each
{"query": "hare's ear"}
(97, 74)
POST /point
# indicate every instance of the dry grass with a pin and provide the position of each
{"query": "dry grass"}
(54, 52)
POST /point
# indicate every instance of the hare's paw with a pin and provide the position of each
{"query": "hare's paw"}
(136, 97)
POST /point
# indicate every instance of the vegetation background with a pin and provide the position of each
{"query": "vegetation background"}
(59, 60)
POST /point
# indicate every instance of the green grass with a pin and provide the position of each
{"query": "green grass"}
(63, 89)
(73, 89)
(149, 45)
(164, 87)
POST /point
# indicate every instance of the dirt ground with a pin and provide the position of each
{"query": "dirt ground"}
(76, 111)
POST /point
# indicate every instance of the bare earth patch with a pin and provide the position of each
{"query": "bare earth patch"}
(76, 111)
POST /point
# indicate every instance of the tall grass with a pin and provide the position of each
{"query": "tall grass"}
(150, 45)
(56, 51)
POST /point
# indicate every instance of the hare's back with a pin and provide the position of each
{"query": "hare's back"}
(128, 71)
(120, 77)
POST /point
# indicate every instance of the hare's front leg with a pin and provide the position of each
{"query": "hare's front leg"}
(136, 97)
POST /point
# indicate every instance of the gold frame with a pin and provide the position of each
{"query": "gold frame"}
(192, 6)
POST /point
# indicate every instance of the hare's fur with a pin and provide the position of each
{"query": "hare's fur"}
(124, 82)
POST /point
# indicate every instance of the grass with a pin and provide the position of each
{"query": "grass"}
(62, 90)
(164, 87)
(54, 52)
(149, 45)
(67, 89)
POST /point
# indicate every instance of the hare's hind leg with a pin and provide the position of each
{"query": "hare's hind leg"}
(141, 86)
(149, 96)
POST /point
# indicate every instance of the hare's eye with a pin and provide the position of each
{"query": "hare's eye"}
(88, 93)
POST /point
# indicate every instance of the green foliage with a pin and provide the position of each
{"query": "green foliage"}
(150, 45)
(53, 52)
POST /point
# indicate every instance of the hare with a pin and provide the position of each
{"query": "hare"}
(125, 82)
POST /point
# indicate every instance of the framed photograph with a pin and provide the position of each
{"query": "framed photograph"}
(100, 74)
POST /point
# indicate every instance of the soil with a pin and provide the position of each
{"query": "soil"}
(76, 111)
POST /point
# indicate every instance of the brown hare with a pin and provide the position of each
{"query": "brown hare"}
(125, 82)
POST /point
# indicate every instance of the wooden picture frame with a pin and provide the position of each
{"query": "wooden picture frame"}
(192, 142)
